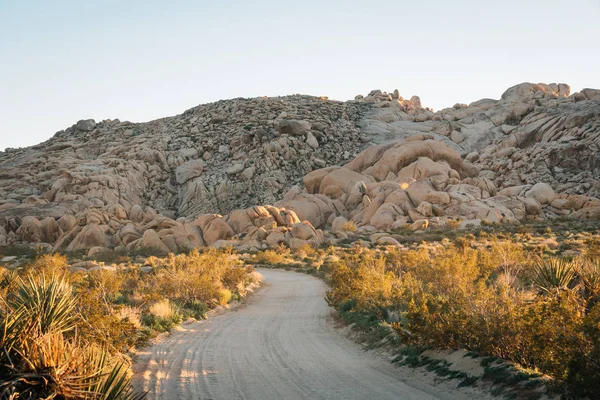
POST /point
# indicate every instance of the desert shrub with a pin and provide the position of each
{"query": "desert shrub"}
(554, 274)
(162, 308)
(307, 252)
(42, 357)
(129, 314)
(160, 323)
(48, 264)
(275, 256)
(490, 296)
(224, 296)
(349, 226)
(83, 324)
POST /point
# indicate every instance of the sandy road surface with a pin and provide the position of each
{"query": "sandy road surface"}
(282, 345)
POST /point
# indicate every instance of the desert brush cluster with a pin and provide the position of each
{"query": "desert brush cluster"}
(68, 335)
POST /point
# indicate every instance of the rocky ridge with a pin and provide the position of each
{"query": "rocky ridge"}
(207, 176)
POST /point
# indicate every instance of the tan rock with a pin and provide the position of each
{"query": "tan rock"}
(338, 224)
(343, 178)
(420, 224)
(311, 140)
(248, 173)
(296, 243)
(275, 238)
(216, 229)
(96, 251)
(542, 192)
(294, 127)
(386, 216)
(388, 241)
(312, 181)
(51, 231)
(89, 236)
(189, 170)
(425, 209)
(30, 230)
(151, 240)
(400, 223)
(303, 230)
(372, 207)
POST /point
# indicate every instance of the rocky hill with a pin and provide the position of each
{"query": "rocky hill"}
(254, 173)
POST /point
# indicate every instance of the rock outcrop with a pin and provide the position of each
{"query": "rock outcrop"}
(257, 173)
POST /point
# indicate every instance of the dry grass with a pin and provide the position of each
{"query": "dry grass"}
(131, 315)
(162, 308)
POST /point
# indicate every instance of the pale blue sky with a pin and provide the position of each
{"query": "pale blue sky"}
(61, 61)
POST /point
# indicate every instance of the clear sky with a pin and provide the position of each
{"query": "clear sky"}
(61, 61)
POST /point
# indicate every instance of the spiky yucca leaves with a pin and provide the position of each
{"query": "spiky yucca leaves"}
(116, 385)
(37, 361)
(48, 303)
(589, 272)
(554, 274)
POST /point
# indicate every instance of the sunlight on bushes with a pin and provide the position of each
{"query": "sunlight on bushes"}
(63, 334)
(162, 308)
(492, 297)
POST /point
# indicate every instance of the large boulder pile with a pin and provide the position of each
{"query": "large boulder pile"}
(212, 158)
(377, 164)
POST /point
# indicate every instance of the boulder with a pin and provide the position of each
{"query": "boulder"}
(275, 238)
(542, 192)
(343, 178)
(67, 222)
(386, 216)
(293, 127)
(50, 230)
(30, 230)
(338, 224)
(189, 170)
(420, 224)
(312, 180)
(90, 236)
(303, 230)
(248, 173)
(311, 140)
(214, 228)
(151, 240)
(235, 169)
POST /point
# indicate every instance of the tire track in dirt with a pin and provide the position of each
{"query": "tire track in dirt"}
(282, 345)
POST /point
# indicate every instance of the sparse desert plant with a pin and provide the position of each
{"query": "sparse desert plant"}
(589, 271)
(349, 226)
(45, 304)
(40, 355)
(162, 308)
(275, 256)
(554, 273)
(131, 315)
(478, 296)
(224, 296)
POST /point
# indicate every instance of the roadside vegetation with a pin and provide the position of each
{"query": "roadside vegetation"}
(492, 297)
(67, 334)
(521, 301)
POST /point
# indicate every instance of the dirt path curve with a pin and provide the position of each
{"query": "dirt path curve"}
(282, 345)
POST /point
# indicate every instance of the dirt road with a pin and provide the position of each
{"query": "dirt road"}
(283, 345)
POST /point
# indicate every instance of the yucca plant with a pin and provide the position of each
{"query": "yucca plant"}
(554, 274)
(48, 304)
(38, 361)
(590, 278)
